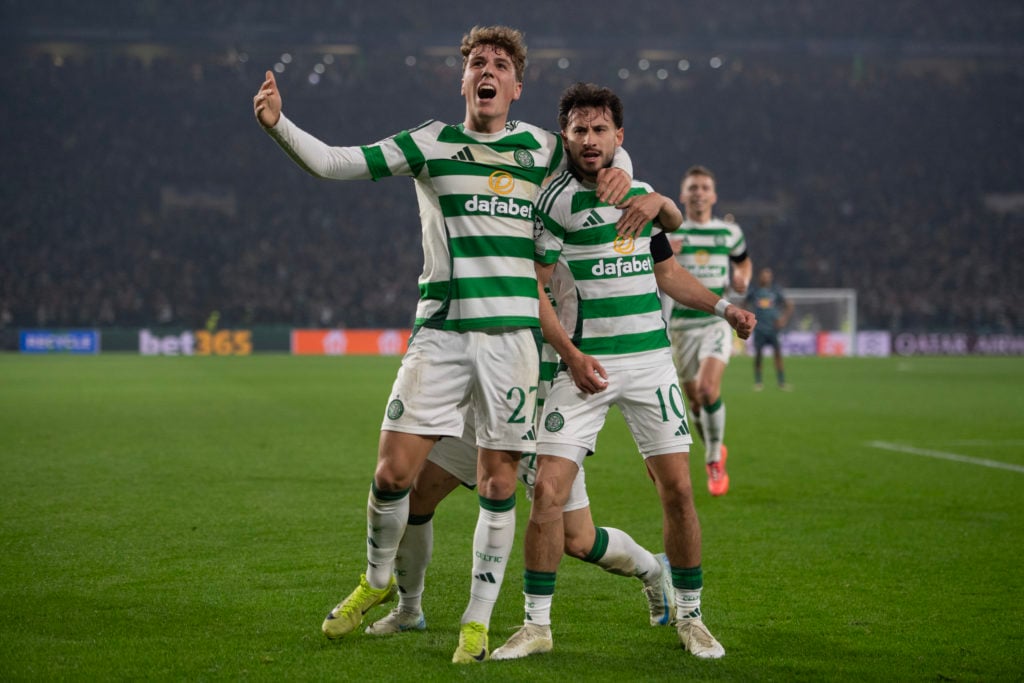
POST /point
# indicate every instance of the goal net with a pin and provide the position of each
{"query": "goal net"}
(824, 322)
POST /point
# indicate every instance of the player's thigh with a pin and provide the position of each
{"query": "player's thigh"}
(456, 456)
(432, 485)
(671, 473)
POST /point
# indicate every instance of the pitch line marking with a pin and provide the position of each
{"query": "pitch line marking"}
(988, 442)
(942, 455)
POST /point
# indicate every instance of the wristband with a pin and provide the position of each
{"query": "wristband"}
(721, 306)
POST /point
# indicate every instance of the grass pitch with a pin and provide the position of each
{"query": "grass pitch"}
(195, 518)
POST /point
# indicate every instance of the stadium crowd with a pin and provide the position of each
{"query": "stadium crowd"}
(138, 190)
(608, 20)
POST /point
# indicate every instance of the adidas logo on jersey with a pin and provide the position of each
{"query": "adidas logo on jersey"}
(464, 155)
(593, 219)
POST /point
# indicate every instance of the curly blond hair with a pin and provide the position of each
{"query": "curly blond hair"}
(510, 41)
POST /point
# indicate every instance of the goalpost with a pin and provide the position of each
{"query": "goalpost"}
(824, 322)
(823, 310)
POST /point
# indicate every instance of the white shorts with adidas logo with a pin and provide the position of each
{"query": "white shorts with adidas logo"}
(646, 391)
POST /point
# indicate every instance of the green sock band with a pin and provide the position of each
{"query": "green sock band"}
(538, 583)
(600, 546)
(498, 505)
(712, 407)
(387, 495)
(416, 520)
(688, 579)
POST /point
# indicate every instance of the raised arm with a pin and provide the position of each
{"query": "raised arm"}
(313, 155)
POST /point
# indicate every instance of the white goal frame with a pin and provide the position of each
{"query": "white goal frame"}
(846, 297)
(844, 325)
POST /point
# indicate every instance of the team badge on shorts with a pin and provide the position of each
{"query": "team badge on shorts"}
(395, 409)
(554, 422)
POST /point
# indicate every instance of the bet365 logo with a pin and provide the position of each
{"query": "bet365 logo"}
(197, 343)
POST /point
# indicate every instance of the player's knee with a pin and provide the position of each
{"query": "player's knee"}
(497, 488)
(497, 476)
(676, 493)
(392, 476)
(547, 496)
(709, 392)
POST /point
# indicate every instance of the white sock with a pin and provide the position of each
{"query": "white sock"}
(538, 609)
(620, 554)
(492, 544)
(414, 553)
(386, 517)
(688, 603)
(688, 583)
(712, 420)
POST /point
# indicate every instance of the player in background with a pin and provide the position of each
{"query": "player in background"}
(473, 339)
(773, 311)
(618, 354)
(702, 343)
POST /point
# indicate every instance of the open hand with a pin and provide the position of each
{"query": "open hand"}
(267, 102)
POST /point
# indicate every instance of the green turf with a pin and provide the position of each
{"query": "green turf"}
(195, 518)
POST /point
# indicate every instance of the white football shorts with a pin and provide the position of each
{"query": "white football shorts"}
(647, 393)
(443, 373)
(691, 346)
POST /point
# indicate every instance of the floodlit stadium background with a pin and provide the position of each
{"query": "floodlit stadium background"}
(866, 146)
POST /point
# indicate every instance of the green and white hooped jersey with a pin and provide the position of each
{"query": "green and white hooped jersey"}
(706, 250)
(610, 305)
(476, 196)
